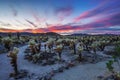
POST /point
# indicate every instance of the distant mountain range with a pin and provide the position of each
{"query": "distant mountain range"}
(48, 34)
(31, 34)
(81, 34)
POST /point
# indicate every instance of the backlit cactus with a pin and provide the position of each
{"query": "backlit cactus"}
(59, 49)
(13, 55)
(80, 48)
(7, 43)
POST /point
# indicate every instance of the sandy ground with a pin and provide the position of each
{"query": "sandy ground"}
(79, 72)
(83, 72)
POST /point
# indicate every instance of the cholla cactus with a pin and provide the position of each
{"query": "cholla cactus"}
(9, 35)
(7, 43)
(59, 40)
(73, 46)
(59, 46)
(32, 42)
(51, 40)
(18, 35)
(67, 39)
(73, 40)
(118, 75)
(80, 49)
(94, 46)
(22, 40)
(59, 50)
(32, 46)
(13, 55)
(102, 44)
(38, 47)
(50, 44)
(15, 50)
(116, 43)
(36, 57)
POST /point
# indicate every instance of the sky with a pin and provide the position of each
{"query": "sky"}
(60, 16)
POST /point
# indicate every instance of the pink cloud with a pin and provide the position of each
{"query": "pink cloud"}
(37, 18)
(63, 12)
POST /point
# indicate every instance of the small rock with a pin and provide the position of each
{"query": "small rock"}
(44, 62)
(61, 69)
(100, 77)
(50, 61)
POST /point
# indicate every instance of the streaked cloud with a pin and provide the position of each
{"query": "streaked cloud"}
(63, 12)
(102, 17)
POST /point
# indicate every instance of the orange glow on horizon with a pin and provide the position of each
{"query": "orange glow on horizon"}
(34, 31)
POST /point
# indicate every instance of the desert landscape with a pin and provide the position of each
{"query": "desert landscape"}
(58, 57)
(59, 39)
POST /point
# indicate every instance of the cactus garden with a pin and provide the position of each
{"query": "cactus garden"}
(38, 58)
(59, 39)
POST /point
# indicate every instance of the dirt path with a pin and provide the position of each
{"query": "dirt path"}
(5, 67)
(83, 72)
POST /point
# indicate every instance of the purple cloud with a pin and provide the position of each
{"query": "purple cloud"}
(63, 12)
(105, 8)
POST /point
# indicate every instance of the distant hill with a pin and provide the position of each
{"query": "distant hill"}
(52, 33)
(31, 34)
(79, 34)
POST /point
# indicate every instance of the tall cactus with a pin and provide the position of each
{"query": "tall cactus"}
(13, 55)
(10, 35)
(7, 43)
(18, 35)
(59, 50)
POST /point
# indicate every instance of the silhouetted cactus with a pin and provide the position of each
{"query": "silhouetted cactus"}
(9, 35)
(18, 35)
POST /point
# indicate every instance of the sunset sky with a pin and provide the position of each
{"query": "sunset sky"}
(61, 16)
